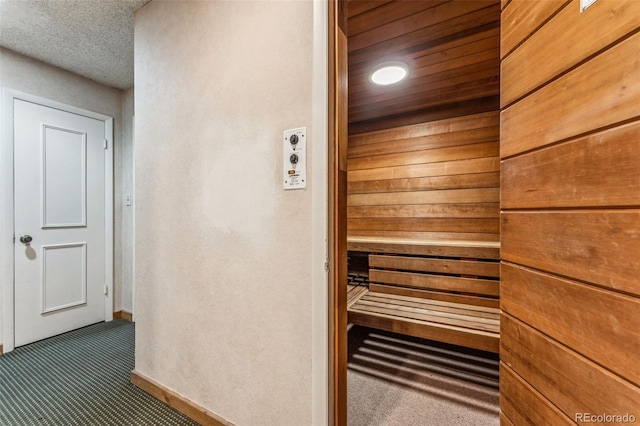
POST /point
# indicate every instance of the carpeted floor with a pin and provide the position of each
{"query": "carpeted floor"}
(79, 378)
(396, 380)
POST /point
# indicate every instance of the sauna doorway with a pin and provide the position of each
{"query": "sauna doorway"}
(416, 174)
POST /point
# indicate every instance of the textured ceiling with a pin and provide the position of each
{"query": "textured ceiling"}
(93, 38)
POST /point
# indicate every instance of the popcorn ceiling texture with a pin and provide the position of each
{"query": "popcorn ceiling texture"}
(93, 38)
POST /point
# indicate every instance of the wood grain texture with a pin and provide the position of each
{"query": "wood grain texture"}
(554, 50)
(559, 373)
(420, 143)
(357, 7)
(523, 18)
(449, 168)
(127, 316)
(444, 266)
(180, 403)
(467, 151)
(442, 196)
(425, 225)
(450, 211)
(430, 128)
(430, 236)
(534, 122)
(470, 180)
(459, 329)
(470, 249)
(452, 49)
(601, 247)
(524, 405)
(437, 295)
(435, 282)
(396, 190)
(597, 170)
(570, 219)
(600, 324)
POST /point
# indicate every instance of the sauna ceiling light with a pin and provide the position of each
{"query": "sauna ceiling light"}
(389, 73)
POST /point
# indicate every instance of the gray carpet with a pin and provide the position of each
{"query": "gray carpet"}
(79, 378)
(399, 380)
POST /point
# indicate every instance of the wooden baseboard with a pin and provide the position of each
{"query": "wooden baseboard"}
(127, 316)
(180, 403)
(1, 350)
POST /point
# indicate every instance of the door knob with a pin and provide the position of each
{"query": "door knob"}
(26, 239)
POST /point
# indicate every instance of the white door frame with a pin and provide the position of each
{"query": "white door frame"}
(8, 278)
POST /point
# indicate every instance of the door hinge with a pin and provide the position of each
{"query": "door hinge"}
(326, 264)
(106, 290)
(106, 144)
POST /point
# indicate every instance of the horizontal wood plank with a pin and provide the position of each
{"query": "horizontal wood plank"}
(427, 330)
(448, 168)
(425, 225)
(357, 7)
(477, 150)
(442, 196)
(432, 128)
(533, 122)
(476, 210)
(600, 247)
(444, 266)
(437, 295)
(597, 170)
(378, 14)
(470, 180)
(440, 140)
(464, 237)
(523, 19)
(435, 282)
(554, 49)
(599, 324)
(571, 381)
(414, 22)
(472, 249)
(524, 405)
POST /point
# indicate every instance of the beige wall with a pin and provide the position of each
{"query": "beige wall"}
(36, 78)
(226, 312)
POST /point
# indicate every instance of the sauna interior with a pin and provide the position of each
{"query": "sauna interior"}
(492, 194)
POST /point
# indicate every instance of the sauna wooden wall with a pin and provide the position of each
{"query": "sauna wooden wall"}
(428, 181)
(570, 189)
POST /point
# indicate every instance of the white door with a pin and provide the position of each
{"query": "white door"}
(59, 217)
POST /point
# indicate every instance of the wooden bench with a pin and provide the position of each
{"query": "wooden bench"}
(440, 290)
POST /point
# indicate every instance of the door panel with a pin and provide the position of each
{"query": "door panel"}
(59, 186)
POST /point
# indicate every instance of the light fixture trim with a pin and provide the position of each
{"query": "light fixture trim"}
(388, 73)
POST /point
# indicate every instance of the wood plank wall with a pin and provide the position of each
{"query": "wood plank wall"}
(570, 219)
(452, 49)
(430, 181)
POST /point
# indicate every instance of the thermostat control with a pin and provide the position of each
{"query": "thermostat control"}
(294, 158)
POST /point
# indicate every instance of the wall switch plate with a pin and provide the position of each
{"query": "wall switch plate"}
(294, 158)
(584, 4)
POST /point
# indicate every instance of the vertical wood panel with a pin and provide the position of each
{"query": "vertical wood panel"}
(570, 224)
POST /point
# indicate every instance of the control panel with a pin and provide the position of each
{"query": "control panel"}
(294, 158)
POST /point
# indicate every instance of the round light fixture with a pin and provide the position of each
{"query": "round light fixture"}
(389, 73)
